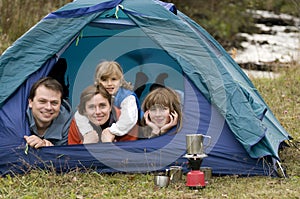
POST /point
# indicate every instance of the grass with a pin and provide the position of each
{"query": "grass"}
(283, 97)
(42, 184)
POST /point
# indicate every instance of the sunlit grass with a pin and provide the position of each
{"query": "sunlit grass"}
(283, 97)
(40, 184)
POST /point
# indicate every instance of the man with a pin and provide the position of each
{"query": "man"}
(49, 116)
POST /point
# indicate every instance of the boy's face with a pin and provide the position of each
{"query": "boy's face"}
(45, 106)
(111, 84)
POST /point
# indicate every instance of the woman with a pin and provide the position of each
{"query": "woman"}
(110, 75)
(95, 104)
(162, 109)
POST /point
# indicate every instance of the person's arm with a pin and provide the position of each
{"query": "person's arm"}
(74, 137)
(106, 136)
(155, 130)
(128, 117)
(91, 137)
(173, 122)
(36, 142)
(83, 123)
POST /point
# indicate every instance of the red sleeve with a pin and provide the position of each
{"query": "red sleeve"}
(74, 136)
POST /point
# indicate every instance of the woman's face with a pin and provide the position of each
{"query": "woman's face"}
(159, 115)
(97, 110)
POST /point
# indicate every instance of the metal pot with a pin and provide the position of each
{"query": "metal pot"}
(194, 143)
(175, 173)
(207, 173)
(161, 180)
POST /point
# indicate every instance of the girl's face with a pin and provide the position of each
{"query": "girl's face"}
(97, 110)
(159, 115)
(111, 84)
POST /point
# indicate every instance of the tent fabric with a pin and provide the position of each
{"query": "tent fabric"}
(143, 155)
(149, 35)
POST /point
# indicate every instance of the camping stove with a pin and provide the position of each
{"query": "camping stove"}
(195, 154)
(195, 178)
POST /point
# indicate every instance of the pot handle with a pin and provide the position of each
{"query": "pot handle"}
(168, 172)
(209, 141)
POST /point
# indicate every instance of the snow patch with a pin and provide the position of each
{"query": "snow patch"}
(282, 45)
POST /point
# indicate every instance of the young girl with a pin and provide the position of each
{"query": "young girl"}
(162, 112)
(110, 75)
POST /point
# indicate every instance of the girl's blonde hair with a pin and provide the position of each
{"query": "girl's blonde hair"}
(166, 97)
(107, 69)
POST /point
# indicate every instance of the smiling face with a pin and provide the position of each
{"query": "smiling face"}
(97, 110)
(159, 115)
(111, 83)
(160, 103)
(45, 106)
(110, 75)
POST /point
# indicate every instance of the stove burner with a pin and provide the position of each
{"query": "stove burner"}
(195, 156)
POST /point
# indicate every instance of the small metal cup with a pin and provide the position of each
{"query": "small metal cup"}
(207, 173)
(161, 180)
(175, 173)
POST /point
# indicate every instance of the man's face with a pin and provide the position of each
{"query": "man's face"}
(45, 106)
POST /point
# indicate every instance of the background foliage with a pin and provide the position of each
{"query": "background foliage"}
(226, 18)
(17, 16)
(222, 19)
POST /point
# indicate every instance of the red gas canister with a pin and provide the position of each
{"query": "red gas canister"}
(195, 179)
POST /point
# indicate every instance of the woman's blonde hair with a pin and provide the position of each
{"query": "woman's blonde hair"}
(166, 97)
(107, 69)
(90, 92)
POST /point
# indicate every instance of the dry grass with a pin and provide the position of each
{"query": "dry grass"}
(17, 16)
(283, 97)
(41, 184)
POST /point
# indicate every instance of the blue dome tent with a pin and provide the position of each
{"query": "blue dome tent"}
(154, 38)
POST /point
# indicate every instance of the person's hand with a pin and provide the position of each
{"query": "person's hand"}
(173, 122)
(36, 142)
(155, 129)
(47, 142)
(107, 136)
(90, 137)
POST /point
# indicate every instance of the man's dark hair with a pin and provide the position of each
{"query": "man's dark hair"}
(49, 83)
